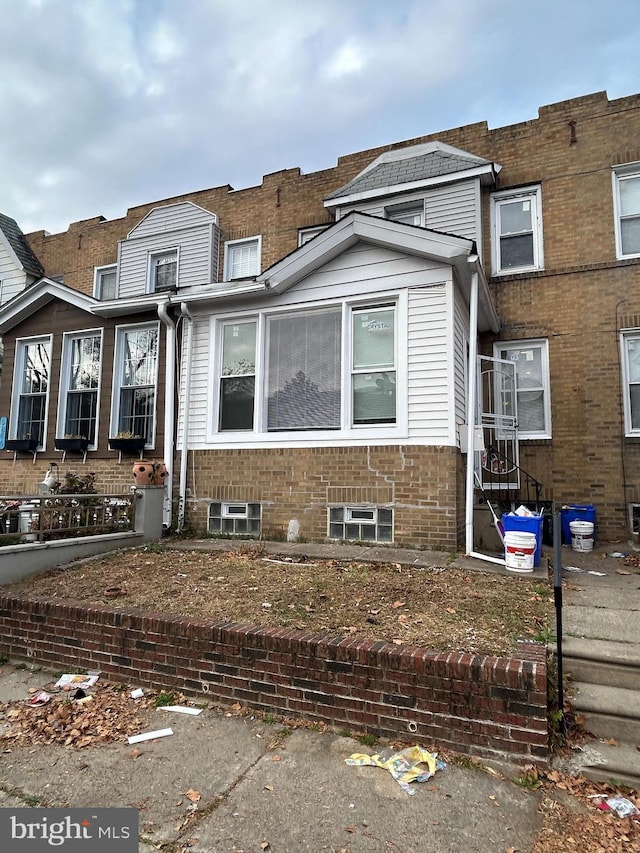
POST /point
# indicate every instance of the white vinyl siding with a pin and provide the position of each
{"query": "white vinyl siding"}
(364, 276)
(13, 279)
(455, 209)
(460, 357)
(187, 227)
(428, 335)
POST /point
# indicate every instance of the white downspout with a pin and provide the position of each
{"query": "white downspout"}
(471, 402)
(186, 395)
(471, 412)
(169, 408)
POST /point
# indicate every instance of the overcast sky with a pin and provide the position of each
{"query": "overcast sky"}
(106, 104)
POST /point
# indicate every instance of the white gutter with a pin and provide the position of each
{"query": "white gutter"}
(169, 408)
(474, 263)
(185, 394)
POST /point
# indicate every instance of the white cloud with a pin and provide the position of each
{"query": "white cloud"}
(109, 103)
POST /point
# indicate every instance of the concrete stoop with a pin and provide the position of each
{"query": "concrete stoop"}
(604, 685)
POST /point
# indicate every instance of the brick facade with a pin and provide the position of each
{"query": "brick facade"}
(578, 303)
(494, 707)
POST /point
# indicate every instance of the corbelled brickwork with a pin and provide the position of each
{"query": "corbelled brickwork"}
(486, 706)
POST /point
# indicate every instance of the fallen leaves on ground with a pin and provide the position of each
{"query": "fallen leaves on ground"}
(442, 607)
(110, 716)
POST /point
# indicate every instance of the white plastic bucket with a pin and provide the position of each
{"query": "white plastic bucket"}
(519, 551)
(581, 535)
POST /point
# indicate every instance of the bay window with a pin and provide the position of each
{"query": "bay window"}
(329, 369)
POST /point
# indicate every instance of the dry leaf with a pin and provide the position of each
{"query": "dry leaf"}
(403, 618)
(349, 829)
(192, 795)
(451, 610)
(276, 758)
(264, 845)
(397, 604)
(622, 572)
(135, 753)
(397, 642)
(611, 741)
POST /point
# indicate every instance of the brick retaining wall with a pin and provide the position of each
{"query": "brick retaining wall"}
(495, 707)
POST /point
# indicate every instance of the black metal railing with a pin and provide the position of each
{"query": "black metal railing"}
(29, 518)
(508, 483)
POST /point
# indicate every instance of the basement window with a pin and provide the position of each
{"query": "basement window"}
(361, 523)
(235, 518)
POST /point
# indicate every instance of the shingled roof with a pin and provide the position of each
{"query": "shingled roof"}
(16, 240)
(401, 166)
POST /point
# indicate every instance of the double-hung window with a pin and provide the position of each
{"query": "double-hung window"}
(322, 369)
(135, 382)
(31, 382)
(242, 258)
(237, 379)
(531, 361)
(104, 283)
(407, 214)
(163, 270)
(626, 194)
(80, 385)
(516, 231)
(373, 370)
(630, 344)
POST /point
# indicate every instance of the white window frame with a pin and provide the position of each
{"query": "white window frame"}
(534, 195)
(620, 174)
(152, 266)
(65, 375)
(361, 433)
(625, 337)
(118, 358)
(400, 212)
(98, 273)
(543, 345)
(18, 374)
(230, 246)
(306, 234)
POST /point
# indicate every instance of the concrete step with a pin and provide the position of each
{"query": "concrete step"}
(606, 662)
(616, 764)
(609, 712)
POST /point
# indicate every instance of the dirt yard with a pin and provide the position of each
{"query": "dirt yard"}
(438, 607)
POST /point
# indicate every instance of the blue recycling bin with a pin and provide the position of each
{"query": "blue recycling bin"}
(576, 512)
(526, 524)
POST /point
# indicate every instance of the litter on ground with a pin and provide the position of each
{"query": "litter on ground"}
(74, 680)
(405, 766)
(181, 709)
(150, 735)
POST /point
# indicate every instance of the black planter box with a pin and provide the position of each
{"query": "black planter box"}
(70, 445)
(127, 445)
(21, 445)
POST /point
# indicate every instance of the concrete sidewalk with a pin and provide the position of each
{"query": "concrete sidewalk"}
(292, 790)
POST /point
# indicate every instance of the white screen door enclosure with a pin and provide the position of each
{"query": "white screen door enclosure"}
(497, 464)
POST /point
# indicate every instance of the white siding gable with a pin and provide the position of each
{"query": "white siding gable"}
(13, 279)
(189, 229)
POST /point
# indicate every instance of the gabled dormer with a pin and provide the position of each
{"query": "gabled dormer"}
(174, 247)
(19, 267)
(432, 185)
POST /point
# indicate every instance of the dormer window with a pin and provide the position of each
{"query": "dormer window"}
(407, 214)
(306, 234)
(163, 271)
